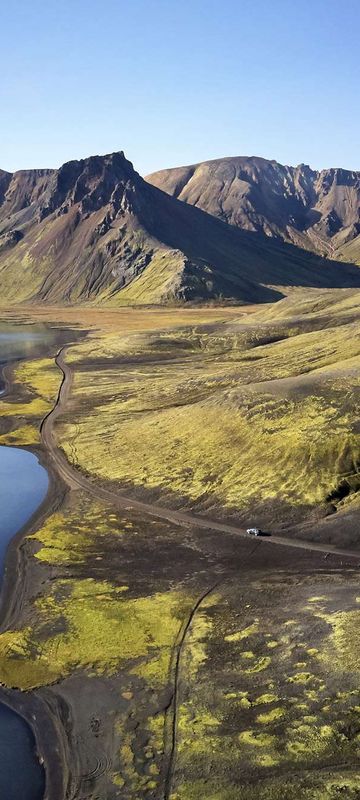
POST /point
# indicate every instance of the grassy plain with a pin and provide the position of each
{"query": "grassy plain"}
(87, 623)
(254, 415)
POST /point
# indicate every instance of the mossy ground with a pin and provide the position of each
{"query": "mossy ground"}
(234, 416)
(248, 715)
(86, 622)
(103, 619)
(36, 385)
(244, 734)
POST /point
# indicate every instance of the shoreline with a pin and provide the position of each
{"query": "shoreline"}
(30, 705)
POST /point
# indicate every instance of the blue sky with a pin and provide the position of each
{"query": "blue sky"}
(178, 81)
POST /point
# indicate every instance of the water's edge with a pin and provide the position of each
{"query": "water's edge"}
(22, 709)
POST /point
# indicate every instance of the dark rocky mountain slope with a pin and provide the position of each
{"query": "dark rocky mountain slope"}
(319, 211)
(95, 231)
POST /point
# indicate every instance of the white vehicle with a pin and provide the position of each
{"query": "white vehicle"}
(253, 531)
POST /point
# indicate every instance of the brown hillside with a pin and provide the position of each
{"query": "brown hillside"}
(95, 231)
(319, 211)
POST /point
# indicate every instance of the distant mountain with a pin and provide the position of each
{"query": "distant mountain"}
(319, 211)
(95, 231)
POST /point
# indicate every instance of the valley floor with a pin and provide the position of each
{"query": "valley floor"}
(163, 652)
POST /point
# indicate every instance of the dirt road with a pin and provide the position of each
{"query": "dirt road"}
(75, 479)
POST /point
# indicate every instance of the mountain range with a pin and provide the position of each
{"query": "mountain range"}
(94, 231)
(319, 211)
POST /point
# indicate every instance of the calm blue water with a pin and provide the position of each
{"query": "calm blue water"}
(23, 486)
(21, 776)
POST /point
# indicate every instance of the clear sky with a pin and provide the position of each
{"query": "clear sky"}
(173, 82)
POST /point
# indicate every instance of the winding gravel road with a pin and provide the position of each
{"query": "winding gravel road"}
(75, 479)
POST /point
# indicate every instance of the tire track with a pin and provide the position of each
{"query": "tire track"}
(174, 706)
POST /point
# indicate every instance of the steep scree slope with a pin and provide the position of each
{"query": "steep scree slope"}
(319, 211)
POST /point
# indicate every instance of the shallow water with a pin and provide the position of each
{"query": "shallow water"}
(23, 486)
(23, 341)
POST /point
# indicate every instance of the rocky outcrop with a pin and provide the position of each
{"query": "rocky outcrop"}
(316, 210)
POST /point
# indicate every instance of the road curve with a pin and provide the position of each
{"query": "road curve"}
(76, 479)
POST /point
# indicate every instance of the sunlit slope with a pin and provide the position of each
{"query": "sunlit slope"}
(351, 251)
(313, 308)
(255, 419)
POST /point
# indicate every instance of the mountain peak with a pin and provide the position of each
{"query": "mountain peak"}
(316, 210)
(94, 230)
